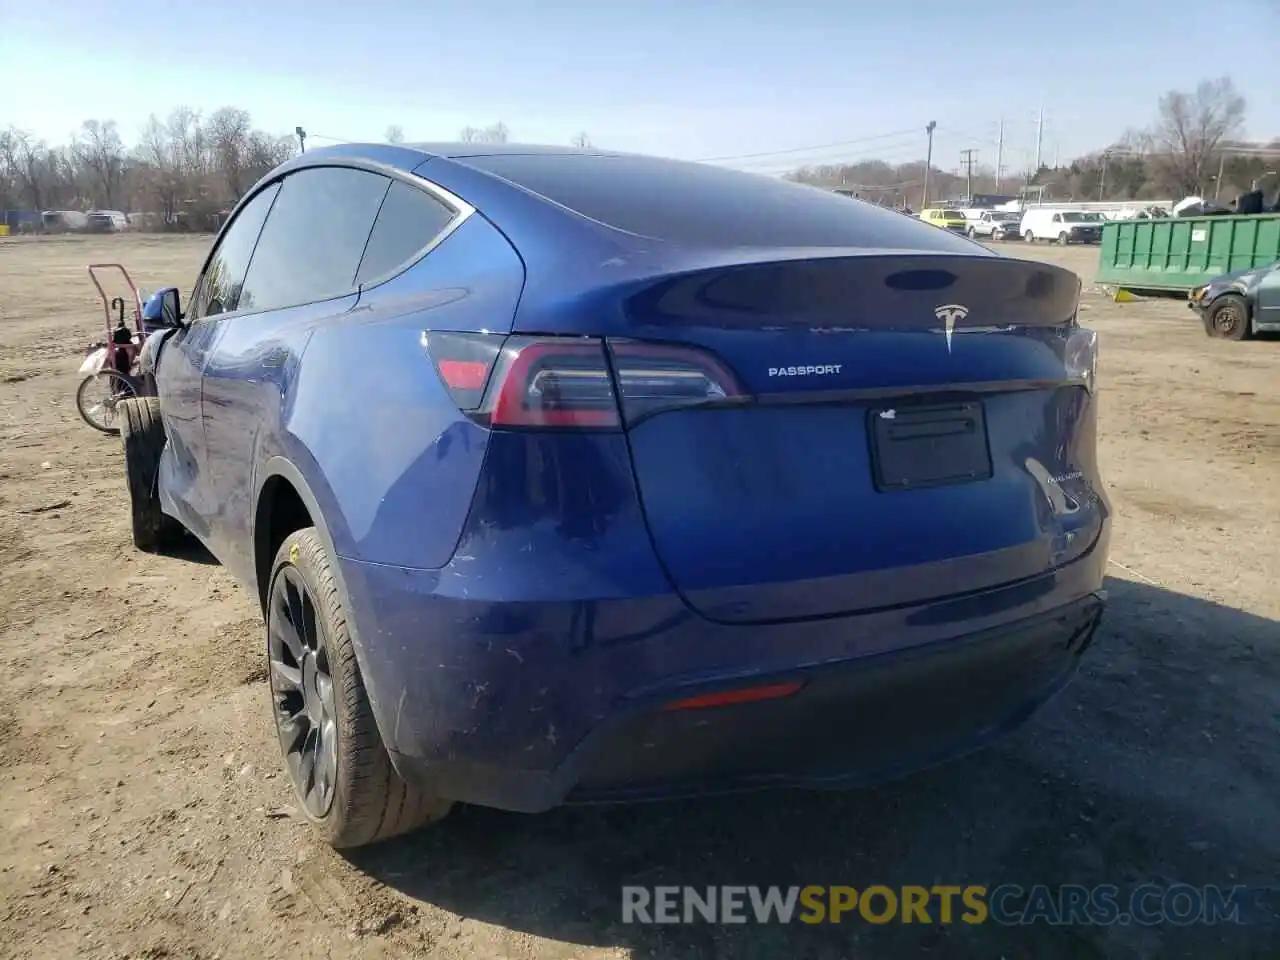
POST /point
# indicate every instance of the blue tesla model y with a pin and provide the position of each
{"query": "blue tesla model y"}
(568, 476)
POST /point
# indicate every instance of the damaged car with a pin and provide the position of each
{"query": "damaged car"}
(1239, 304)
(566, 476)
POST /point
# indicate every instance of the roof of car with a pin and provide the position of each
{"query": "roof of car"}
(407, 156)
(455, 151)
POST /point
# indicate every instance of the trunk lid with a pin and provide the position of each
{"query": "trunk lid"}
(912, 430)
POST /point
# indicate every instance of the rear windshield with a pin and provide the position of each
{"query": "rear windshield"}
(701, 205)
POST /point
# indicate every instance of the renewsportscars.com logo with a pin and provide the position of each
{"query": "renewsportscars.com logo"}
(1008, 904)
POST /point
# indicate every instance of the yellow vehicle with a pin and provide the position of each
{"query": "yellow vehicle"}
(950, 219)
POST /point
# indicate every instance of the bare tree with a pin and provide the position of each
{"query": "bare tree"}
(582, 141)
(229, 130)
(164, 180)
(99, 153)
(1190, 130)
(494, 133)
(28, 162)
(184, 166)
(10, 193)
(394, 134)
(267, 152)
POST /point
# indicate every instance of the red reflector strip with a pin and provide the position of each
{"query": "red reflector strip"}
(463, 374)
(724, 698)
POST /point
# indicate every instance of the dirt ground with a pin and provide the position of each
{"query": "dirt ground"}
(143, 814)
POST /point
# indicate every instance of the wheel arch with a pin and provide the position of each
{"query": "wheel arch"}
(280, 481)
(279, 475)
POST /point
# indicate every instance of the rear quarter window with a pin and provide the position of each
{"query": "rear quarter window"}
(696, 204)
(409, 221)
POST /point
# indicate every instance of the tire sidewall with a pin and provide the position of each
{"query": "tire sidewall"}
(305, 553)
(142, 442)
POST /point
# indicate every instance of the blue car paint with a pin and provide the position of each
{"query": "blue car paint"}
(514, 596)
(251, 395)
(399, 461)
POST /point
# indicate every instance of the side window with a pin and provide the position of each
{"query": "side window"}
(409, 220)
(1057, 218)
(218, 289)
(312, 243)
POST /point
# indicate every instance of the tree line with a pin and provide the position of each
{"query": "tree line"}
(187, 169)
(1191, 149)
(183, 169)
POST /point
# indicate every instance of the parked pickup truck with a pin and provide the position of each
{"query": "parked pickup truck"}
(996, 224)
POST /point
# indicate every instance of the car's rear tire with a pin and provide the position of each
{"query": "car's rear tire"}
(1064, 238)
(142, 436)
(348, 786)
(1029, 237)
(973, 234)
(1228, 318)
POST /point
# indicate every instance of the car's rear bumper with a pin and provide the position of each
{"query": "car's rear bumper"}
(524, 706)
(851, 723)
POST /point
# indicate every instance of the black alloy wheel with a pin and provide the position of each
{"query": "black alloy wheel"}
(302, 691)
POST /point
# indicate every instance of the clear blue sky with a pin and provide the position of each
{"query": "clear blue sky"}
(696, 79)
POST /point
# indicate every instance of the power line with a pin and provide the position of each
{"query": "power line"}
(843, 158)
(965, 135)
(820, 146)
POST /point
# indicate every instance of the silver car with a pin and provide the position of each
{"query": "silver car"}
(996, 225)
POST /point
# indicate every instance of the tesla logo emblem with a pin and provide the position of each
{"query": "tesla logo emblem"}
(949, 313)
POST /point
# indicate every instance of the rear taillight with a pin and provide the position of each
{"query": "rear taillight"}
(574, 382)
(464, 361)
(552, 382)
(653, 377)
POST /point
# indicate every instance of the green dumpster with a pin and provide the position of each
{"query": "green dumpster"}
(1181, 253)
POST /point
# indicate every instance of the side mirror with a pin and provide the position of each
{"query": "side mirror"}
(162, 309)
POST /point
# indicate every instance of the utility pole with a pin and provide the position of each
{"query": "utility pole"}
(1039, 139)
(1056, 147)
(302, 138)
(1102, 184)
(1000, 155)
(928, 162)
(1222, 169)
(966, 157)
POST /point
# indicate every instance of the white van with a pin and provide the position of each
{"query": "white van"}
(1064, 226)
(107, 221)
